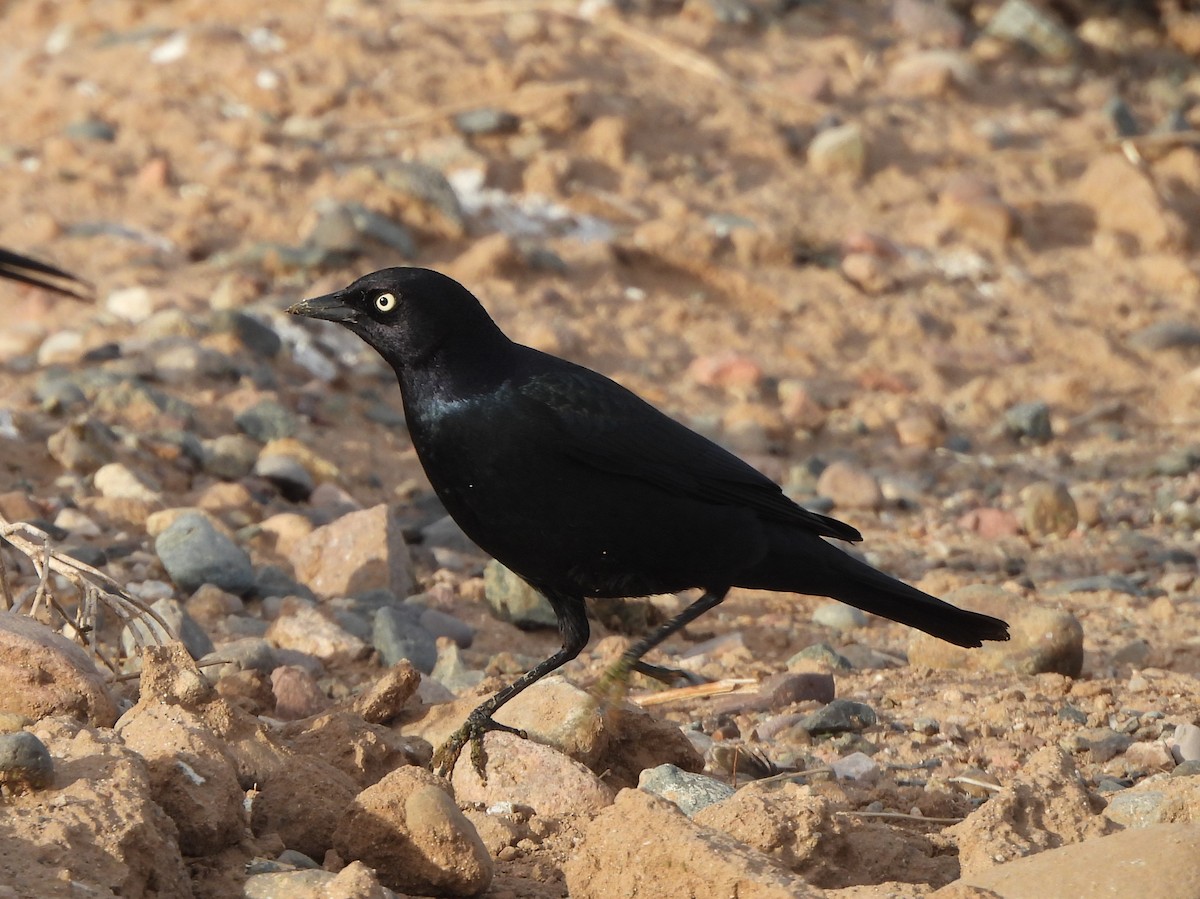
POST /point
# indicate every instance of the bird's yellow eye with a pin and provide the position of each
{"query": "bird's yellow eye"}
(385, 302)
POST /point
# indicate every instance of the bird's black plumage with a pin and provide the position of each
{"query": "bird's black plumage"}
(585, 490)
(16, 267)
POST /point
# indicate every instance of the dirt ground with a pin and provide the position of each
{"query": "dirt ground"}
(654, 206)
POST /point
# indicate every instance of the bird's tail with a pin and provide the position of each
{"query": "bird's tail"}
(825, 570)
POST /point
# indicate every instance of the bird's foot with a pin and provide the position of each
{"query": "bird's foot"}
(478, 723)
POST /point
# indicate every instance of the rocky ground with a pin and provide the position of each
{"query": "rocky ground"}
(927, 264)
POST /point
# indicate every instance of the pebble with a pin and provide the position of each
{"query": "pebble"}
(850, 486)
(515, 601)
(840, 716)
(822, 655)
(841, 149)
(300, 627)
(259, 338)
(230, 456)
(116, 481)
(267, 420)
(1029, 421)
(84, 445)
(1166, 335)
(487, 120)
(839, 617)
(397, 633)
(297, 694)
(1097, 583)
(291, 478)
(932, 73)
(410, 831)
(134, 304)
(777, 692)
(690, 792)
(856, 766)
(359, 551)
(1047, 509)
(1024, 22)
(194, 553)
(25, 762)
(1186, 746)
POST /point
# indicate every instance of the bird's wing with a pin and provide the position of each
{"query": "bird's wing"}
(610, 428)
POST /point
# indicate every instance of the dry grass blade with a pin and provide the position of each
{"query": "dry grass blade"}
(729, 685)
(96, 590)
(899, 816)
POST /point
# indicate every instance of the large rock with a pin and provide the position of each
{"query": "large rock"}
(644, 846)
(43, 673)
(1158, 862)
(358, 552)
(102, 825)
(194, 552)
(409, 830)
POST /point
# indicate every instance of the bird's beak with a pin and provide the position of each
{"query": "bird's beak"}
(328, 308)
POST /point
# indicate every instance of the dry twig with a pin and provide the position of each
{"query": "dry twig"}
(96, 590)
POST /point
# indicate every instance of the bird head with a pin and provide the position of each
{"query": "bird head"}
(405, 314)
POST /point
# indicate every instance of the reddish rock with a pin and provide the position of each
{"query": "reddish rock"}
(358, 552)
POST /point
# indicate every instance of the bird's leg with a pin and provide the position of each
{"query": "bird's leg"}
(614, 682)
(669, 676)
(573, 626)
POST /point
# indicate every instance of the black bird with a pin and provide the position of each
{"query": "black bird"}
(16, 267)
(585, 490)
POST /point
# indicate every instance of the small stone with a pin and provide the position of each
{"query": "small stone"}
(839, 150)
(991, 524)
(1186, 742)
(408, 828)
(932, 73)
(194, 553)
(1029, 421)
(386, 697)
(297, 694)
(230, 456)
(1024, 22)
(514, 600)
(84, 445)
(61, 347)
(1048, 510)
(869, 272)
(302, 628)
(729, 371)
(1141, 758)
(116, 481)
(397, 634)
(849, 486)
(839, 617)
(840, 716)
(358, 552)
(856, 766)
(133, 304)
(823, 656)
(488, 120)
(1129, 205)
(1168, 335)
(25, 762)
(287, 474)
(690, 792)
(975, 206)
(267, 420)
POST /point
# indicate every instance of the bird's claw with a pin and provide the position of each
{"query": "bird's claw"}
(471, 732)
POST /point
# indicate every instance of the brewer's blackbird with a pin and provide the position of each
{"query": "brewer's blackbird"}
(16, 267)
(585, 490)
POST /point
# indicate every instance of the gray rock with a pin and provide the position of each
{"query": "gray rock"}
(398, 634)
(1187, 743)
(182, 625)
(428, 185)
(514, 600)
(487, 120)
(267, 420)
(1166, 336)
(839, 617)
(194, 553)
(1095, 584)
(1103, 743)
(287, 474)
(248, 653)
(691, 792)
(439, 624)
(1024, 22)
(840, 716)
(259, 338)
(1139, 808)
(91, 129)
(271, 580)
(230, 456)
(1029, 421)
(58, 393)
(25, 762)
(1178, 462)
(822, 653)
